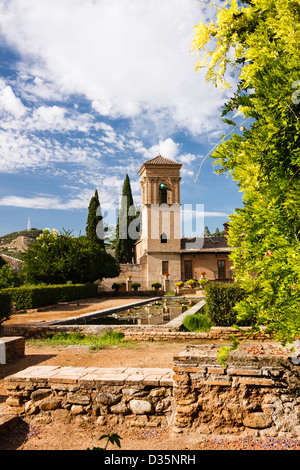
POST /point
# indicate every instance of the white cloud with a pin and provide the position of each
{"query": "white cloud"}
(9, 102)
(130, 58)
(79, 201)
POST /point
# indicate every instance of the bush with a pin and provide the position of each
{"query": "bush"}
(191, 282)
(26, 297)
(117, 286)
(135, 285)
(179, 284)
(202, 282)
(197, 322)
(9, 277)
(156, 285)
(220, 302)
(5, 307)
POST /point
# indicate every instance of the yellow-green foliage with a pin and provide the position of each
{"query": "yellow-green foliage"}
(258, 41)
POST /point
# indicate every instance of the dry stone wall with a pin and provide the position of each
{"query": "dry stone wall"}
(107, 396)
(257, 393)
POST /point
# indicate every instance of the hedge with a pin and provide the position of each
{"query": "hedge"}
(220, 300)
(26, 297)
(5, 307)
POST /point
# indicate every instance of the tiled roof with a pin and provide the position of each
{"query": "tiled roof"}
(159, 160)
(212, 244)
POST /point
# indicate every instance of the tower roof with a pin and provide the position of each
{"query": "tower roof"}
(159, 160)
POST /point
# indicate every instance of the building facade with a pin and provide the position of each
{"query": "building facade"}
(160, 252)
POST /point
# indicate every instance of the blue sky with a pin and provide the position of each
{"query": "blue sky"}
(91, 89)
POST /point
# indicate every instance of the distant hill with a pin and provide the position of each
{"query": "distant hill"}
(16, 243)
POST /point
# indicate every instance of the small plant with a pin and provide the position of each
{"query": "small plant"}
(196, 322)
(135, 285)
(202, 282)
(224, 351)
(111, 438)
(116, 286)
(170, 292)
(179, 284)
(191, 282)
(156, 285)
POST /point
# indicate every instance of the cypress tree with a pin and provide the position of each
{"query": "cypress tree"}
(124, 244)
(94, 223)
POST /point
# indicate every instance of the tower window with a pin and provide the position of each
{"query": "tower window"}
(163, 196)
(163, 238)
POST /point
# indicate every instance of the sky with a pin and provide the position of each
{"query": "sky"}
(89, 90)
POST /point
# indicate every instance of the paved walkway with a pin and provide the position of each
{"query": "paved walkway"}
(104, 375)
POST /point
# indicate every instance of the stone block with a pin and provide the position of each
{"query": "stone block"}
(40, 394)
(140, 407)
(257, 421)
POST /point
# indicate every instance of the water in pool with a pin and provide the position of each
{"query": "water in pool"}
(158, 312)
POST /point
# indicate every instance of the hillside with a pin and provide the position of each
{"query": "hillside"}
(16, 243)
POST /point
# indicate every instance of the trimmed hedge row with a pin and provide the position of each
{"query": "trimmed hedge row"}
(26, 297)
(220, 300)
(5, 307)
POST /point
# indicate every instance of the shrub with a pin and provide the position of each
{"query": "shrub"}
(117, 286)
(135, 285)
(197, 322)
(191, 282)
(220, 302)
(156, 285)
(9, 277)
(179, 284)
(5, 307)
(26, 297)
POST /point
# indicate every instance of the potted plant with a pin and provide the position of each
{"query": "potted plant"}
(191, 283)
(202, 282)
(156, 285)
(178, 286)
(202, 274)
(116, 286)
(135, 286)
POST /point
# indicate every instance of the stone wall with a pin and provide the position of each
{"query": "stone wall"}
(257, 393)
(131, 332)
(107, 396)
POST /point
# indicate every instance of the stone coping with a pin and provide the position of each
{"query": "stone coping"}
(177, 322)
(94, 375)
(100, 313)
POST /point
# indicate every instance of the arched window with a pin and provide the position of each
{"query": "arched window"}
(163, 196)
(163, 238)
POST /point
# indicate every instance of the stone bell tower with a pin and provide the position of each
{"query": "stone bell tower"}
(160, 240)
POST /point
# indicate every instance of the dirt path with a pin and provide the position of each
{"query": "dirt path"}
(69, 309)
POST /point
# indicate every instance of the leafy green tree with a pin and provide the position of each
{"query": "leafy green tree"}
(257, 43)
(94, 223)
(9, 277)
(125, 243)
(57, 258)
